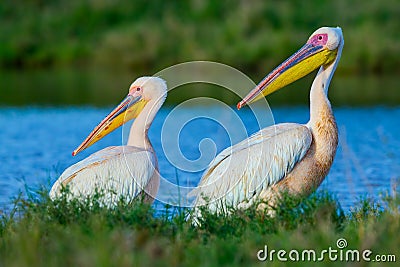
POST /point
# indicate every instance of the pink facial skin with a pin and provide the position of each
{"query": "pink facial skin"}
(318, 39)
(135, 91)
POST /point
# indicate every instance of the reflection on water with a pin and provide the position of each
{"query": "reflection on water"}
(36, 146)
(101, 87)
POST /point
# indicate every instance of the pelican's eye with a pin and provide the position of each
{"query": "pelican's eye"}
(135, 90)
(319, 39)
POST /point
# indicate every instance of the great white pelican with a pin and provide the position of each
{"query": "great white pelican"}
(285, 157)
(120, 171)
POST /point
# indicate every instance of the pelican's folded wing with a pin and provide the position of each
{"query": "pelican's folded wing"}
(124, 169)
(240, 172)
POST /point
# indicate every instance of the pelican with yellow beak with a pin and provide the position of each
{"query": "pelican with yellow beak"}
(285, 157)
(120, 171)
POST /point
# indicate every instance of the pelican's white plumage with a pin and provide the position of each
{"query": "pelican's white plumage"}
(120, 171)
(240, 171)
(112, 170)
(284, 157)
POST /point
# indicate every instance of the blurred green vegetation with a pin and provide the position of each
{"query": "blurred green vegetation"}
(147, 36)
(40, 232)
(87, 52)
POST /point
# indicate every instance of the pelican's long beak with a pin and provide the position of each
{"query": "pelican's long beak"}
(128, 109)
(305, 60)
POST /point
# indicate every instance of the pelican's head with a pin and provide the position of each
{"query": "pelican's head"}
(141, 91)
(321, 50)
(151, 88)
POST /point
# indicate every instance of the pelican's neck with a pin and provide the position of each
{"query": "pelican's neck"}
(319, 102)
(322, 122)
(138, 133)
(320, 106)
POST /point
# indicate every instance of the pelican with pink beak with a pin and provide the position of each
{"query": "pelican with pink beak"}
(120, 171)
(285, 157)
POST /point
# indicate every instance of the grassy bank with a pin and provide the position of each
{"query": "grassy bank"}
(39, 232)
(147, 36)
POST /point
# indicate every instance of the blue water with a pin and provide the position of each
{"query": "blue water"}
(36, 146)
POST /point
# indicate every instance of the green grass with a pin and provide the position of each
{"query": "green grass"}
(39, 232)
